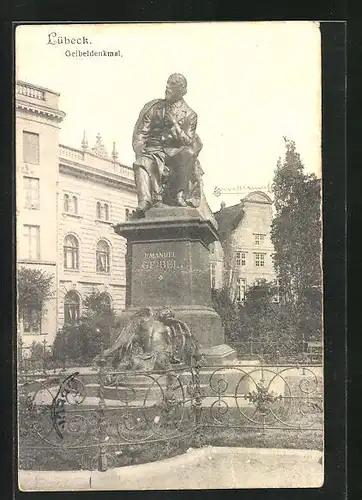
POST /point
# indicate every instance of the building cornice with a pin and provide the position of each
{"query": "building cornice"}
(86, 172)
(38, 109)
(37, 262)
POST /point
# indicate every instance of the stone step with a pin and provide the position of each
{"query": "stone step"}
(207, 402)
(131, 393)
(223, 382)
(207, 374)
(143, 393)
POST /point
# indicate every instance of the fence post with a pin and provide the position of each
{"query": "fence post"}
(20, 355)
(102, 424)
(44, 355)
(198, 397)
(22, 363)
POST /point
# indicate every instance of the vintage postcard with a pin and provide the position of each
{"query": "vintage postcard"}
(169, 274)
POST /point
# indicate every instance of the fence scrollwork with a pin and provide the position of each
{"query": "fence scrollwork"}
(106, 418)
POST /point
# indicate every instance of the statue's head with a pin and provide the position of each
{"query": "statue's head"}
(165, 314)
(176, 87)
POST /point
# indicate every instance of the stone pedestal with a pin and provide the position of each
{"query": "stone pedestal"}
(168, 265)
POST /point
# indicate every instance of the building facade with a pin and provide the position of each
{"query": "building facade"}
(38, 121)
(245, 252)
(67, 200)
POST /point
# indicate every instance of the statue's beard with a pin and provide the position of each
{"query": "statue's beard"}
(173, 97)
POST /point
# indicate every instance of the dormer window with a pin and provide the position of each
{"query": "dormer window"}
(259, 239)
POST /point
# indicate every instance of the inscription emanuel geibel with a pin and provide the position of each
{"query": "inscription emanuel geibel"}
(160, 260)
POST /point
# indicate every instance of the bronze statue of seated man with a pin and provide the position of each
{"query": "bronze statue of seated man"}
(166, 146)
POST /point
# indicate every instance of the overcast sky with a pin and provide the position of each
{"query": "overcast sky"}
(250, 84)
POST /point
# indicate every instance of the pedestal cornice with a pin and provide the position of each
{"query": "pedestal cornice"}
(171, 223)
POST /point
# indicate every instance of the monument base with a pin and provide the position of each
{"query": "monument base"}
(168, 265)
(221, 354)
(204, 323)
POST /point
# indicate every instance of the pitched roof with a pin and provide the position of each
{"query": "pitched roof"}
(228, 219)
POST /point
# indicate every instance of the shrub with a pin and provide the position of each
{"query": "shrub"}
(82, 340)
(79, 342)
(229, 312)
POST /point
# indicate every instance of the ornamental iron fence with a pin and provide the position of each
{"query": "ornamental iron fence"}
(98, 417)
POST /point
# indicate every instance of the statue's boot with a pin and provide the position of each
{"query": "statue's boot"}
(180, 199)
(157, 200)
(143, 206)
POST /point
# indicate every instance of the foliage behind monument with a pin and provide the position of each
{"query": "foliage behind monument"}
(296, 236)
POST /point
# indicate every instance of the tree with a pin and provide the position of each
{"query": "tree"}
(97, 303)
(296, 236)
(268, 326)
(34, 289)
(99, 313)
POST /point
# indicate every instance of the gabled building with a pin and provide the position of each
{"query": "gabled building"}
(245, 252)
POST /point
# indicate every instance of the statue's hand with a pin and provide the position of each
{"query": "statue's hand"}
(175, 132)
(169, 117)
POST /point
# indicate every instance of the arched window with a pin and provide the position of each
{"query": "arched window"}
(127, 214)
(102, 257)
(66, 203)
(75, 205)
(71, 252)
(71, 307)
(106, 211)
(99, 210)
